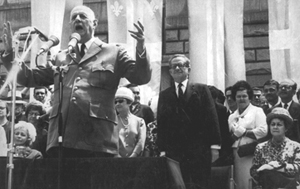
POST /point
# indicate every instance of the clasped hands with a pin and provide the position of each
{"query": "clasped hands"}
(270, 166)
(238, 130)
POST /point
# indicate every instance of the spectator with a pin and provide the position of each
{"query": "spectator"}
(247, 124)
(229, 100)
(19, 107)
(40, 93)
(25, 134)
(271, 93)
(132, 129)
(287, 89)
(89, 86)
(256, 97)
(3, 142)
(35, 114)
(187, 124)
(6, 125)
(223, 115)
(277, 160)
(138, 109)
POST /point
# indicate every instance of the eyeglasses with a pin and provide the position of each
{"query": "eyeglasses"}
(119, 101)
(34, 114)
(180, 66)
(285, 87)
(271, 90)
(136, 92)
(39, 93)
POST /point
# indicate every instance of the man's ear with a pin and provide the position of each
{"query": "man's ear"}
(95, 23)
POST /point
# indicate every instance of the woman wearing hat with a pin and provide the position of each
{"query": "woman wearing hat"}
(132, 129)
(276, 162)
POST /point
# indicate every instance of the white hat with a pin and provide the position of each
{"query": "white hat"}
(124, 92)
(19, 99)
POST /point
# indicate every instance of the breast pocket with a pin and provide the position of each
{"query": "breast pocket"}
(102, 75)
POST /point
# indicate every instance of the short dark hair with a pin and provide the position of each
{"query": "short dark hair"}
(240, 86)
(41, 87)
(272, 82)
(35, 105)
(187, 60)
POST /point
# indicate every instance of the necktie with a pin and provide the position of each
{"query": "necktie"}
(180, 93)
(82, 52)
(285, 106)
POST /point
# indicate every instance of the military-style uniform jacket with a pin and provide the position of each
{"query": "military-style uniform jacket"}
(89, 86)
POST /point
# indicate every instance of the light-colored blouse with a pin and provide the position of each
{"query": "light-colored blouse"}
(132, 136)
(253, 118)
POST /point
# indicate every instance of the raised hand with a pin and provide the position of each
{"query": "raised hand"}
(7, 37)
(139, 36)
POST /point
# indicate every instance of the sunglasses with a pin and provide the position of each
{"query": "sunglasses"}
(119, 101)
(136, 92)
(39, 93)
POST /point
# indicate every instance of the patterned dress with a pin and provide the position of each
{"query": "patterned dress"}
(287, 154)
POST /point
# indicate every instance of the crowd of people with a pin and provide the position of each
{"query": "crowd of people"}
(197, 125)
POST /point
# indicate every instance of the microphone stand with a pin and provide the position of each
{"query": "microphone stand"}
(12, 77)
(60, 122)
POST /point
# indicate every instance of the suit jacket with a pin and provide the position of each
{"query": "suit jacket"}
(294, 131)
(89, 86)
(143, 111)
(187, 127)
(227, 142)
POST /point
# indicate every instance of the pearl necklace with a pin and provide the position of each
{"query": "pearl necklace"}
(126, 119)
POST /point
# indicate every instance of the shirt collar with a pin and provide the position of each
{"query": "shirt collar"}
(89, 43)
(184, 84)
(289, 104)
(278, 102)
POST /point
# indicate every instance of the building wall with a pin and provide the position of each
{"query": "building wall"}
(175, 35)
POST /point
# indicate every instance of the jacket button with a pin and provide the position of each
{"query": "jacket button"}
(74, 98)
(80, 68)
(75, 88)
(78, 78)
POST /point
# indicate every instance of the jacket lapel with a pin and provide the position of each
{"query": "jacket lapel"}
(94, 49)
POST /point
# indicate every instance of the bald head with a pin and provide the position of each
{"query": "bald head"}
(83, 9)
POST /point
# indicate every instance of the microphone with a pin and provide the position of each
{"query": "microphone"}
(75, 37)
(42, 36)
(53, 41)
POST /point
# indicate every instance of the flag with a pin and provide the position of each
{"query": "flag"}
(284, 39)
(208, 19)
(121, 16)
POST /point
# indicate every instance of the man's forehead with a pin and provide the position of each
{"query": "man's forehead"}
(178, 60)
(83, 10)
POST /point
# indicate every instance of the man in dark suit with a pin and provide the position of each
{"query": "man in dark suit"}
(187, 124)
(138, 109)
(270, 89)
(91, 78)
(287, 89)
(223, 114)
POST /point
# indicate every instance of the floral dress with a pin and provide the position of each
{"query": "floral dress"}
(287, 154)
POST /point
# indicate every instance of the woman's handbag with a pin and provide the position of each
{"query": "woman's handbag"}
(246, 149)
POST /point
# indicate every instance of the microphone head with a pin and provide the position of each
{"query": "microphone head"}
(42, 36)
(54, 39)
(75, 36)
